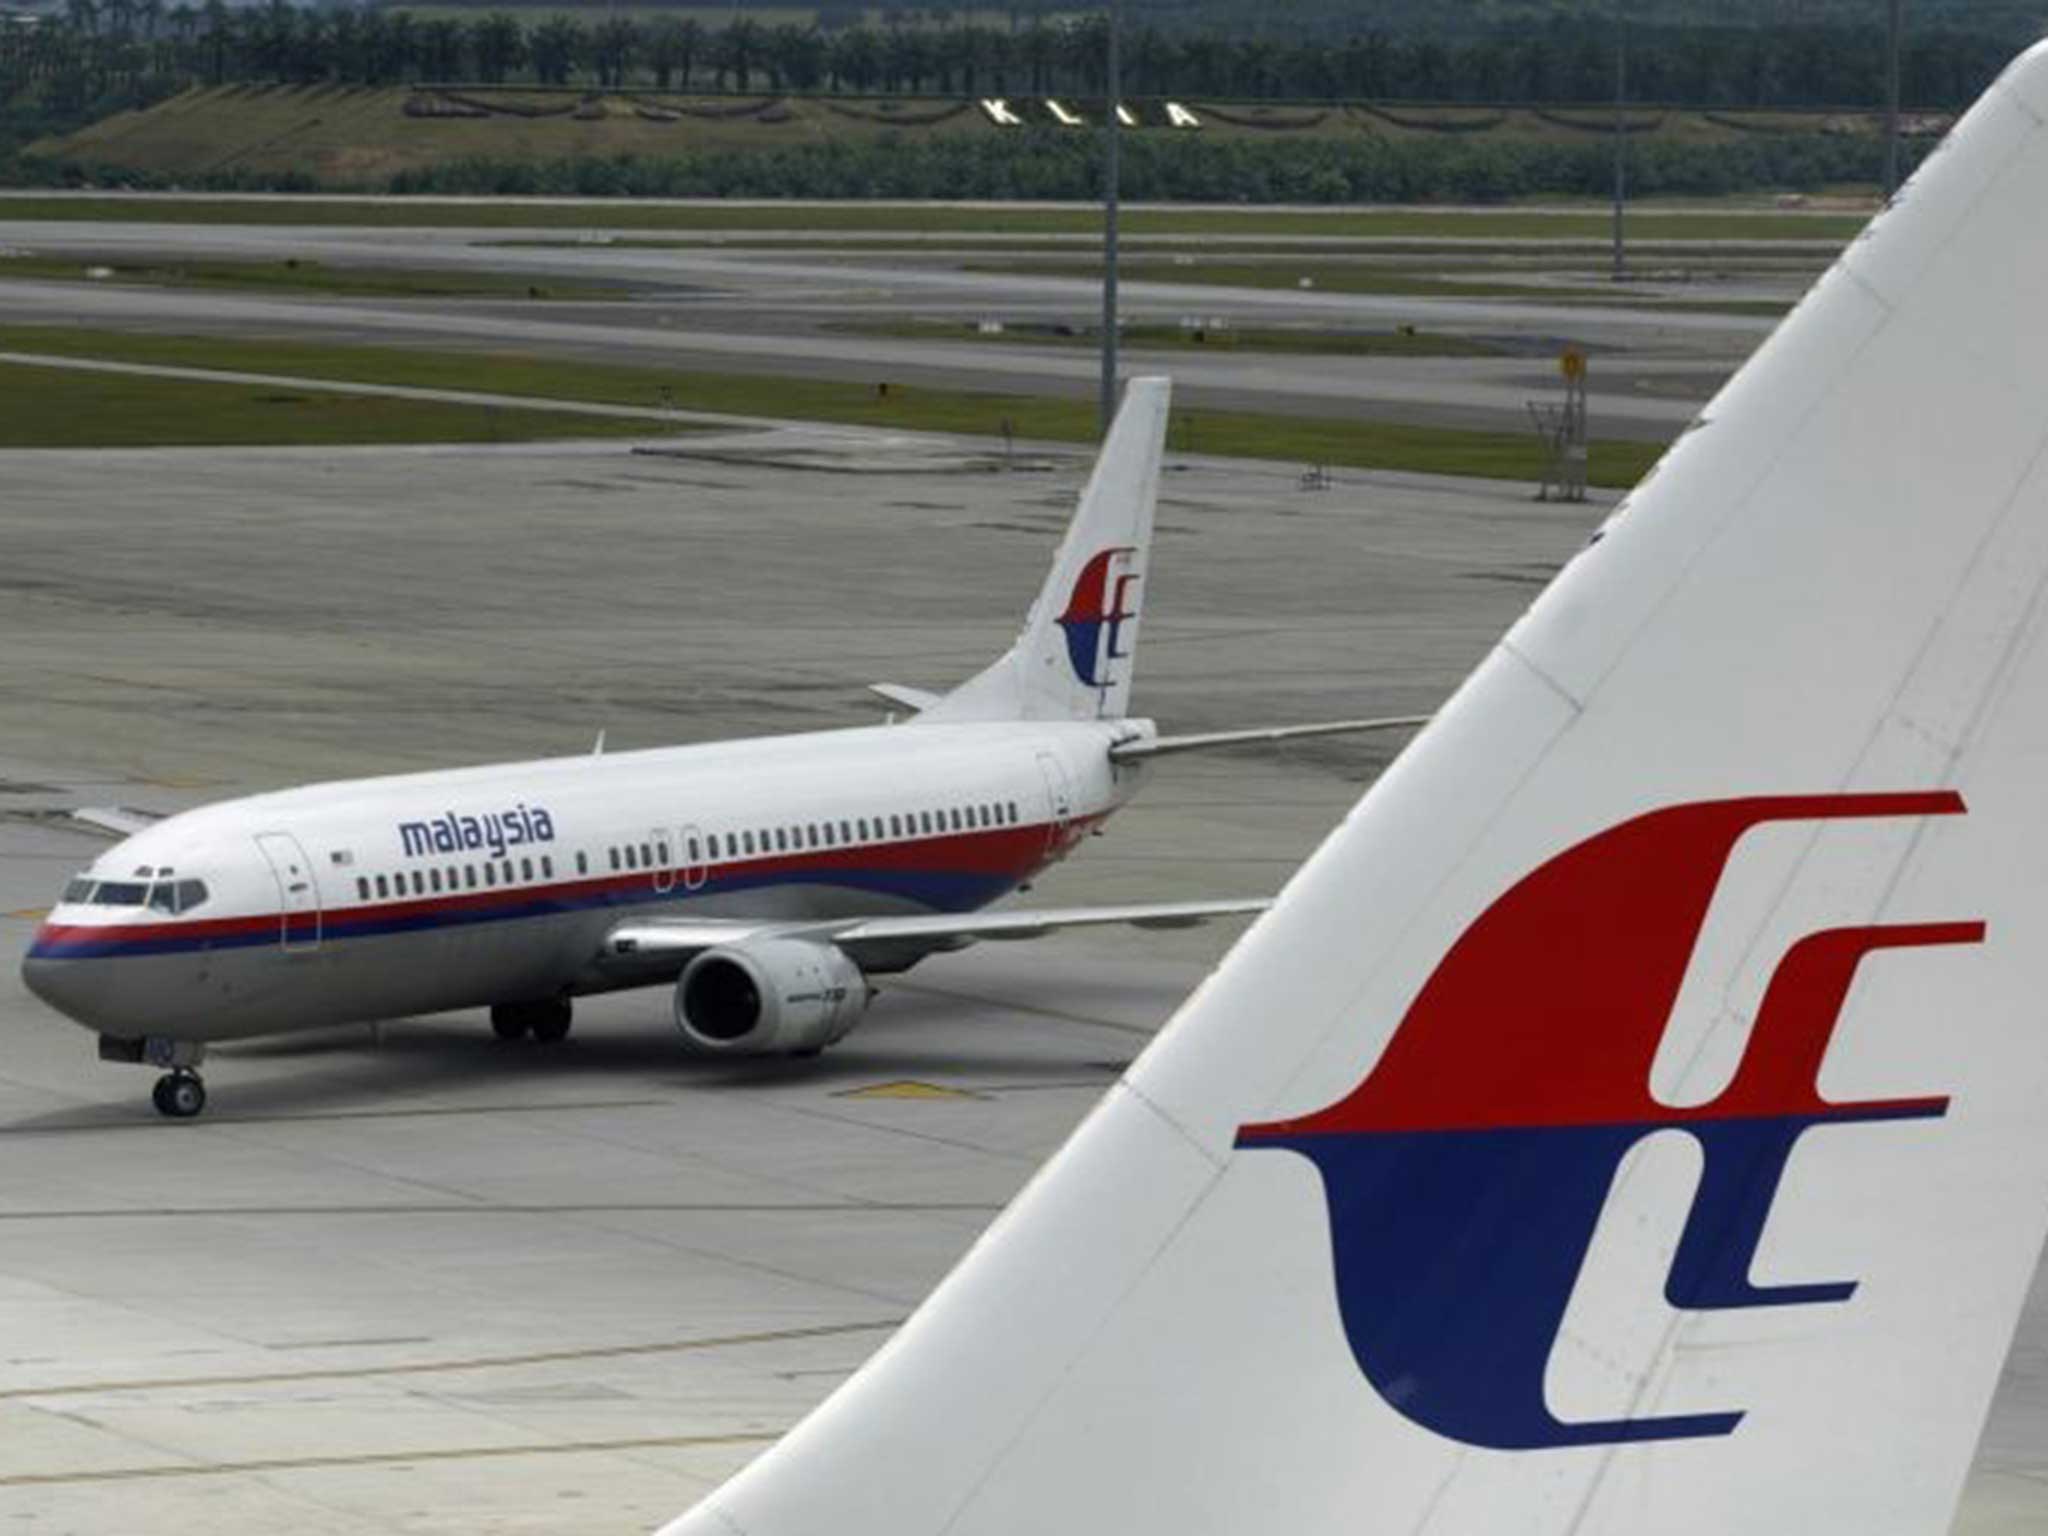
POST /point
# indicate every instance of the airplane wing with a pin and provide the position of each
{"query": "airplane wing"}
(1161, 746)
(667, 938)
(122, 820)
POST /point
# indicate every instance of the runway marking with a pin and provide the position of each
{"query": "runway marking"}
(557, 1208)
(438, 1367)
(34, 914)
(906, 1089)
(377, 1459)
(312, 1116)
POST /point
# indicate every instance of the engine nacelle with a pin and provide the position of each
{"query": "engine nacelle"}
(779, 997)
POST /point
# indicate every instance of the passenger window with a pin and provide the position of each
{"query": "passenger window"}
(1013, 813)
(526, 869)
(695, 856)
(508, 871)
(614, 853)
(632, 859)
(490, 874)
(955, 814)
(895, 826)
(362, 889)
(781, 840)
(646, 856)
(419, 883)
(454, 878)
(926, 818)
(434, 881)
(547, 866)
(383, 889)
(582, 863)
(662, 849)
(747, 841)
(469, 876)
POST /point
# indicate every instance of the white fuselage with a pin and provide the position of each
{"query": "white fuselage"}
(381, 897)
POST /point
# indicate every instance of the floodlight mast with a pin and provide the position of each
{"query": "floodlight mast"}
(1112, 94)
(1893, 42)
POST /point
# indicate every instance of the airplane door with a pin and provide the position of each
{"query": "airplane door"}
(666, 857)
(693, 857)
(1059, 798)
(298, 895)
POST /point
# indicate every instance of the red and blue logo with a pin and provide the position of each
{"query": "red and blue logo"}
(1098, 610)
(1466, 1175)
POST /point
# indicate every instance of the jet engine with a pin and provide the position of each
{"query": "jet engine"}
(779, 997)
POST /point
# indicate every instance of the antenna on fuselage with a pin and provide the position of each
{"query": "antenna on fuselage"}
(597, 747)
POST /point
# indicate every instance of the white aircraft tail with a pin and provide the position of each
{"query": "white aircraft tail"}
(1074, 659)
(1631, 1120)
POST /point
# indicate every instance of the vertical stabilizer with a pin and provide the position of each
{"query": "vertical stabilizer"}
(1074, 659)
(1630, 1121)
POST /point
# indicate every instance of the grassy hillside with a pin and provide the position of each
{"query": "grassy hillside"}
(361, 137)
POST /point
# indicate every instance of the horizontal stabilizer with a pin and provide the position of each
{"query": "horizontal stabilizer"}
(917, 700)
(122, 820)
(1161, 746)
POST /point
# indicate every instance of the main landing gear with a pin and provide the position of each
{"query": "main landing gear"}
(179, 1095)
(548, 1022)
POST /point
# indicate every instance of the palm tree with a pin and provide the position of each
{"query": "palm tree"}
(612, 47)
(499, 45)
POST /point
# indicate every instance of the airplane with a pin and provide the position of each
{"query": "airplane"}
(767, 880)
(1630, 1121)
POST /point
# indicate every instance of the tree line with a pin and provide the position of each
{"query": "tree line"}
(106, 53)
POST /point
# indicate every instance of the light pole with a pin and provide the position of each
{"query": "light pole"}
(1891, 97)
(1111, 134)
(1620, 142)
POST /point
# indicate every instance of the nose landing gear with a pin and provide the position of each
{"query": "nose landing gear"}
(179, 1095)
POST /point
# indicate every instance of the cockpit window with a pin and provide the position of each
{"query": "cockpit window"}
(175, 896)
(78, 892)
(119, 893)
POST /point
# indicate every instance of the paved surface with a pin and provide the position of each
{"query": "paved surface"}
(412, 1280)
(758, 311)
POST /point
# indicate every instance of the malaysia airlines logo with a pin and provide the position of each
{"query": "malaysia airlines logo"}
(1465, 1176)
(1098, 611)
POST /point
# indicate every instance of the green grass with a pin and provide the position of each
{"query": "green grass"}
(1172, 338)
(1304, 440)
(922, 218)
(296, 276)
(67, 408)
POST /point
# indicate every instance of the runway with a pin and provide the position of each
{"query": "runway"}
(1658, 357)
(413, 1280)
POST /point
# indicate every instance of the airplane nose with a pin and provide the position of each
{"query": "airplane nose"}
(66, 985)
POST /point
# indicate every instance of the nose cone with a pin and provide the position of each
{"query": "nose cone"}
(71, 986)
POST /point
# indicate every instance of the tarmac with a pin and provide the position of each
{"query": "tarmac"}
(411, 1279)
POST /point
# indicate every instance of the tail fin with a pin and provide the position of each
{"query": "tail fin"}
(1074, 659)
(1630, 1120)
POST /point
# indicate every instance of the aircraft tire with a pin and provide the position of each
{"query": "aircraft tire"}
(551, 1021)
(179, 1095)
(509, 1021)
